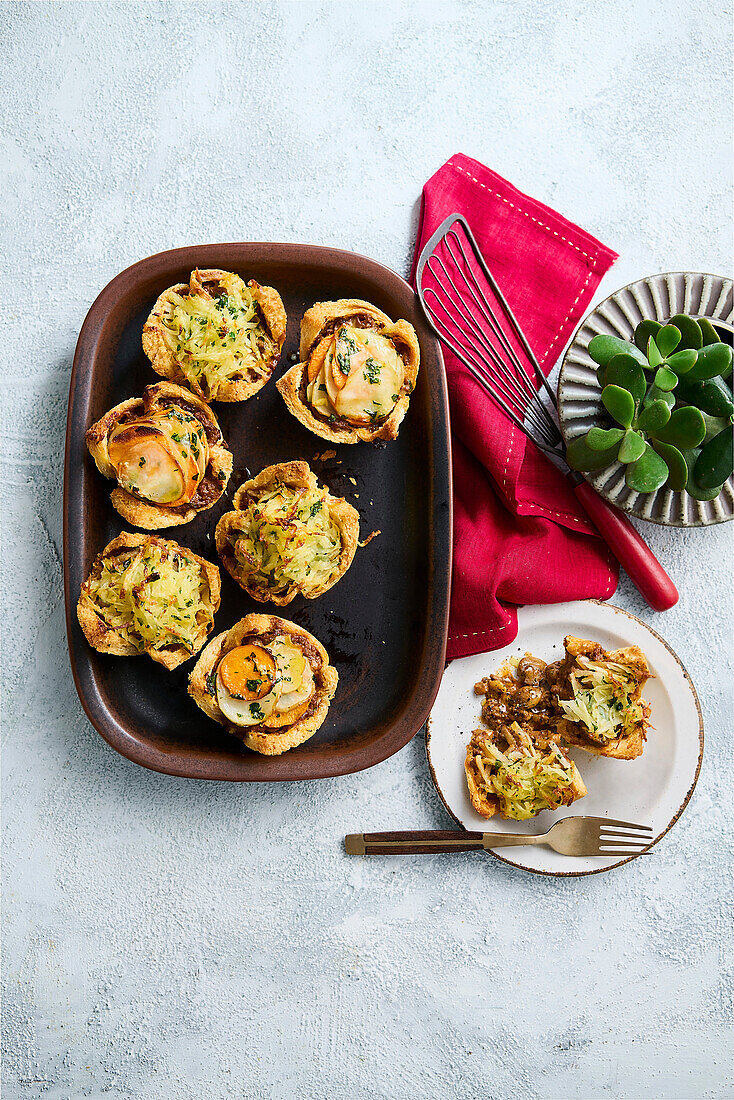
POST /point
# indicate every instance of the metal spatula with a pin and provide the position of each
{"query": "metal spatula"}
(482, 332)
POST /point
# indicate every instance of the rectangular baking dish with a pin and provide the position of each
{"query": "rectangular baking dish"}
(384, 624)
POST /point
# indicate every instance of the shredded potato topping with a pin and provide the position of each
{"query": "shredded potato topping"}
(152, 595)
(524, 779)
(287, 537)
(603, 699)
(218, 340)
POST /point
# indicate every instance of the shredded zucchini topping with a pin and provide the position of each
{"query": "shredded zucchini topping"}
(524, 779)
(287, 537)
(217, 340)
(605, 699)
(153, 596)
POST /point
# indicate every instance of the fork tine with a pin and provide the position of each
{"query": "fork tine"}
(602, 821)
(627, 844)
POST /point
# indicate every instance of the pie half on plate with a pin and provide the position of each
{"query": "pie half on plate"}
(598, 698)
(287, 535)
(357, 371)
(216, 334)
(145, 594)
(518, 774)
(166, 452)
(267, 681)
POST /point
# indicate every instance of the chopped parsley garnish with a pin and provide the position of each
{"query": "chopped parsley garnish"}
(315, 508)
(256, 711)
(372, 370)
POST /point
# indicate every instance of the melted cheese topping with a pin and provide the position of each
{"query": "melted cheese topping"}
(153, 596)
(356, 375)
(287, 537)
(604, 700)
(217, 340)
(161, 457)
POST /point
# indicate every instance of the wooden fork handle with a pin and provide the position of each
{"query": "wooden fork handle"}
(429, 841)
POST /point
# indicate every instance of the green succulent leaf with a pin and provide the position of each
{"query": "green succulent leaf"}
(601, 439)
(654, 394)
(709, 333)
(631, 447)
(602, 348)
(690, 331)
(714, 425)
(711, 361)
(711, 396)
(620, 404)
(676, 463)
(601, 375)
(624, 371)
(716, 461)
(644, 331)
(667, 340)
(654, 416)
(648, 473)
(654, 357)
(665, 379)
(682, 361)
(692, 487)
(686, 428)
(582, 458)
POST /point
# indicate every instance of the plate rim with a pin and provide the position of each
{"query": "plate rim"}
(674, 819)
(625, 506)
(121, 740)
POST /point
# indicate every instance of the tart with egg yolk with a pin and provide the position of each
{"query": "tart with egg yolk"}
(166, 453)
(287, 535)
(267, 681)
(357, 372)
(145, 594)
(216, 334)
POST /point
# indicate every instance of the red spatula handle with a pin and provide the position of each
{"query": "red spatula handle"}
(632, 553)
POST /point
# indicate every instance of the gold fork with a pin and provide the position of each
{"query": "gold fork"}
(573, 836)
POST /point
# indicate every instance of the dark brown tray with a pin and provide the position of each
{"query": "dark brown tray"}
(384, 624)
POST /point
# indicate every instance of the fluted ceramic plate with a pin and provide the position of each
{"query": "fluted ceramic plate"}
(652, 790)
(658, 298)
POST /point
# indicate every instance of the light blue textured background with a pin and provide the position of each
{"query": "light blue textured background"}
(167, 939)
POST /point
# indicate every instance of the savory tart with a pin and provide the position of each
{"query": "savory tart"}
(166, 453)
(598, 698)
(146, 594)
(287, 535)
(267, 681)
(518, 775)
(357, 372)
(217, 335)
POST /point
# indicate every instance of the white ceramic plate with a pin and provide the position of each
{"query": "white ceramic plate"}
(651, 790)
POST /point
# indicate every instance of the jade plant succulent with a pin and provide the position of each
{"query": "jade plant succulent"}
(670, 409)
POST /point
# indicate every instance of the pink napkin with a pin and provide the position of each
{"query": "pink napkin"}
(520, 535)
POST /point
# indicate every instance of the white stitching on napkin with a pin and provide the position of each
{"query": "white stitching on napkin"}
(518, 208)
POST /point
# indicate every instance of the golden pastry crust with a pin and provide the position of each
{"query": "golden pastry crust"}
(272, 312)
(295, 475)
(319, 321)
(142, 513)
(623, 748)
(273, 741)
(106, 639)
